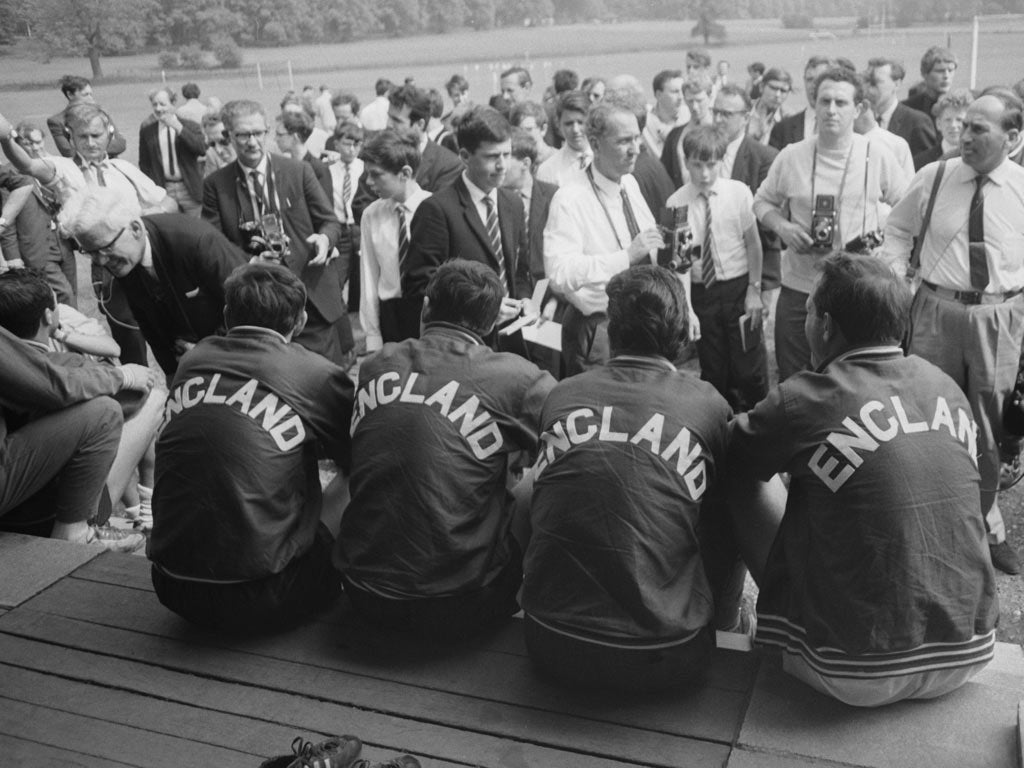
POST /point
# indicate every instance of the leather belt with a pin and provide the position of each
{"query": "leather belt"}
(971, 297)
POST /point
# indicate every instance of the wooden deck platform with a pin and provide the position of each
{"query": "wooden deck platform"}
(95, 672)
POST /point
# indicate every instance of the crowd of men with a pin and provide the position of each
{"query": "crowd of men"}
(619, 500)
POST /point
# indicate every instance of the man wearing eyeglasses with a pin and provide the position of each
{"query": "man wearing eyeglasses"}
(219, 150)
(776, 85)
(170, 267)
(276, 201)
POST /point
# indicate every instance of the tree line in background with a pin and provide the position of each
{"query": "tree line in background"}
(198, 33)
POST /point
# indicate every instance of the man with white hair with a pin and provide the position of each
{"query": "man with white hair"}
(171, 267)
(597, 227)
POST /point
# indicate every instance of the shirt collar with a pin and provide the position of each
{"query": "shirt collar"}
(642, 361)
(527, 189)
(147, 252)
(603, 182)
(256, 330)
(734, 145)
(37, 345)
(879, 350)
(261, 166)
(413, 200)
(451, 331)
(886, 116)
(478, 194)
(996, 176)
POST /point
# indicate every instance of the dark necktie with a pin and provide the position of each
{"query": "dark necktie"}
(627, 209)
(172, 165)
(260, 193)
(495, 235)
(403, 238)
(526, 214)
(98, 169)
(976, 237)
(707, 252)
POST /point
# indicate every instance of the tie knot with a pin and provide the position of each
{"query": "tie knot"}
(980, 180)
(488, 202)
(256, 176)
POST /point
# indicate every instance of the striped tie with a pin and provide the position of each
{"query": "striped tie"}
(707, 253)
(257, 187)
(627, 210)
(346, 191)
(403, 238)
(172, 165)
(495, 235)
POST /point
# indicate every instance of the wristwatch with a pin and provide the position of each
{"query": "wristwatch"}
(756, 284)
(60, 335)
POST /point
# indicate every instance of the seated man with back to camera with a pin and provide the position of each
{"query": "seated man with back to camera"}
(875, 582)
(627, 562)
(426, 543)
(238, 541)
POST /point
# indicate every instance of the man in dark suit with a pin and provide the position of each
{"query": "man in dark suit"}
(409, 109)
(169, 152)
(474, 218)
(748, 160)
(263, 192)
(794, 128)
(536, 196)
(916, 128)
(171, 267)
(938, 65)
(78, 90)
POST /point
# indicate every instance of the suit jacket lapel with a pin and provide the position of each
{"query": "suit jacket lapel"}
(740, 162)
(507, 225)
(246, 212)
(472, 216)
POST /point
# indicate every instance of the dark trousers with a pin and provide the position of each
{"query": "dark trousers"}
(56, 466)
(400, 318)
(595, 666)
(445, 618)
(332, 340)
(584, 341)
(307, 585)
(792, 352)
(740, 377)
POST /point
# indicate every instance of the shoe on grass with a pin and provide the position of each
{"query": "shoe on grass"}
(1004, 558)
(115, 539)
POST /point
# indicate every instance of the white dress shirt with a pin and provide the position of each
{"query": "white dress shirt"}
(565, 166)
(343, 207)
(944, 252)
(656, 130)
(118, 174)
(379, 277)
(729, 159)
(586, 238)
(732, 214)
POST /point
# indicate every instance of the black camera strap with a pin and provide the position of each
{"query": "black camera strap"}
(604, 207)
(842, 185)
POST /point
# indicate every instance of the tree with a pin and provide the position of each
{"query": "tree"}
(442, 15)
(94, 27)
(398, 17)
(708, 26)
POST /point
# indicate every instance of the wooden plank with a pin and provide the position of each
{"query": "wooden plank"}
(112, 741)
(31, 564)
(703, 712)
(261, 737)
(437, 713)
(971, 727)
(17, 752)
(730, 671)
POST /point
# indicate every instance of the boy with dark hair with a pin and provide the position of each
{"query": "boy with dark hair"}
(238, 541)
(390, 161)
(474, 218)
(453, 567)
(574, 156)
(726, 275)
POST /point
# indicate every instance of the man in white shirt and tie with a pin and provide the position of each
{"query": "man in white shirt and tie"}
(574, 156)
(597, 227)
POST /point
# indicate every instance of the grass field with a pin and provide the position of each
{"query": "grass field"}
(640, 48)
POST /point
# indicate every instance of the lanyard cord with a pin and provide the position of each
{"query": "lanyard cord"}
(842, 184)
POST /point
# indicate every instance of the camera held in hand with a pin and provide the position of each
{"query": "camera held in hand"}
(866, 243)
(267, 238)
(823, 222)
(674, 226)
